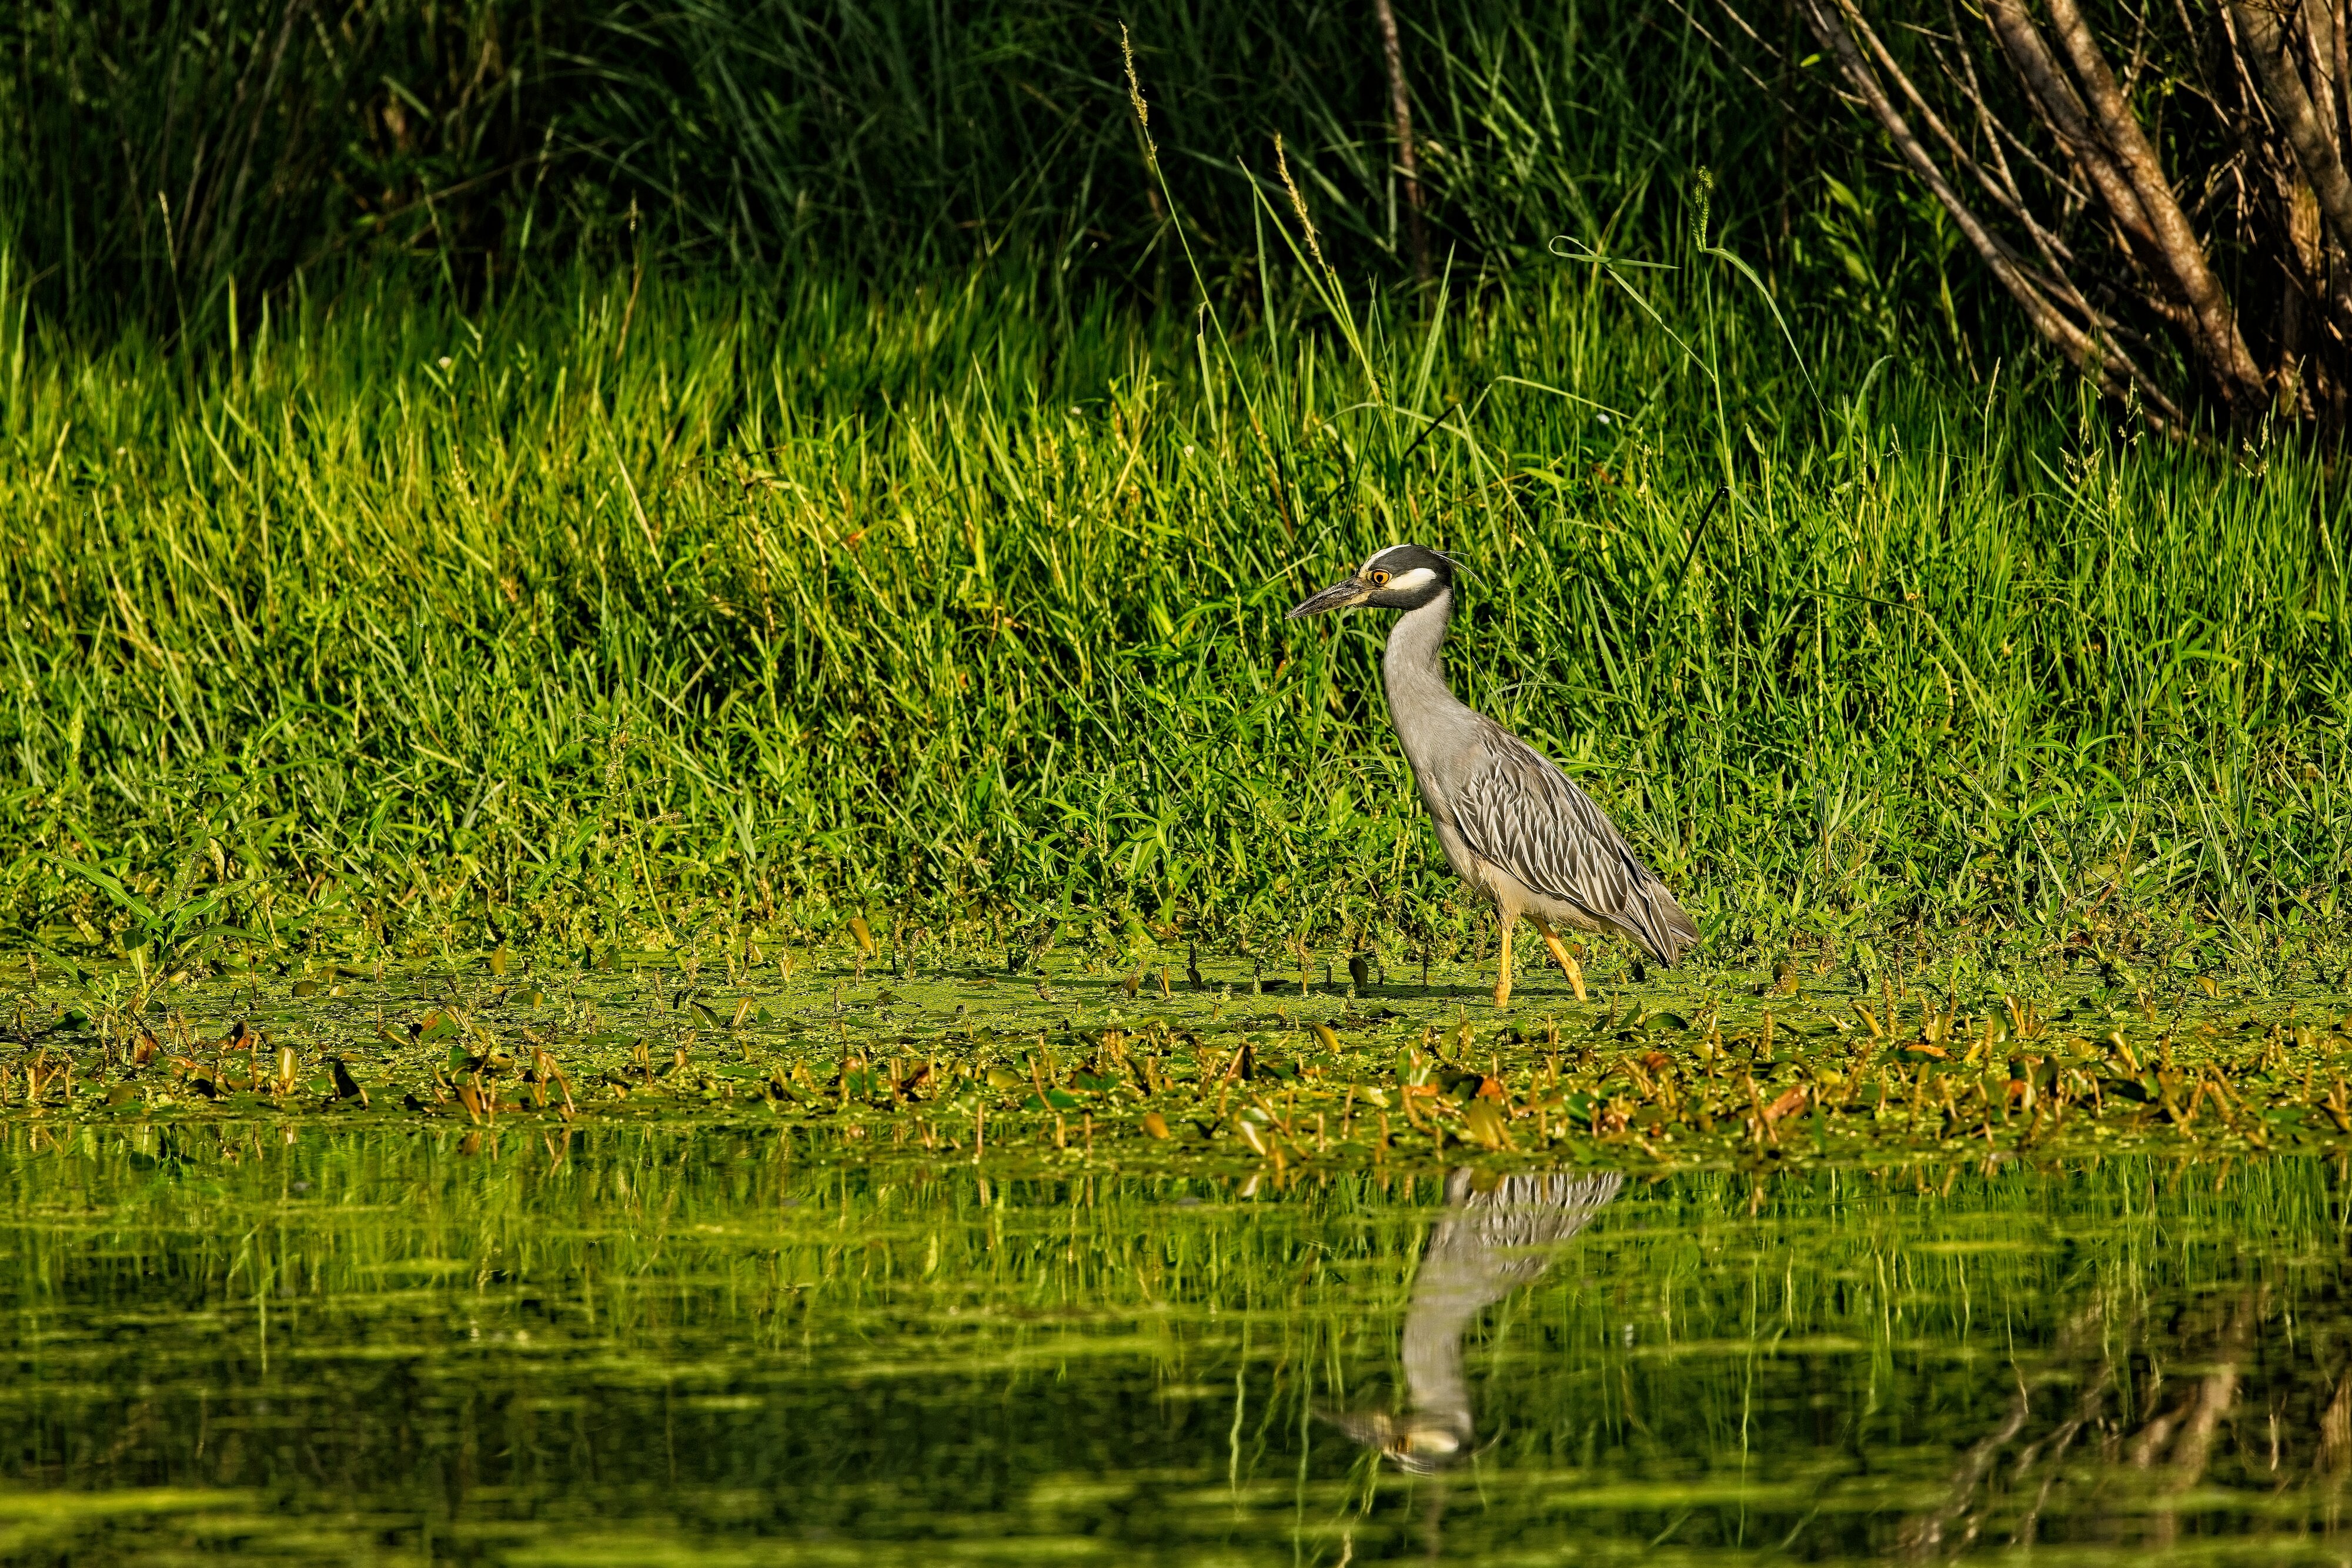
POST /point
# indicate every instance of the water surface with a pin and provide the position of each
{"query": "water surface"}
(648, 1346)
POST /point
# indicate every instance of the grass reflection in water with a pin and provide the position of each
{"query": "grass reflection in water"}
(648, 1345)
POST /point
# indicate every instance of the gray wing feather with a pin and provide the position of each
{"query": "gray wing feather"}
(1521, 812)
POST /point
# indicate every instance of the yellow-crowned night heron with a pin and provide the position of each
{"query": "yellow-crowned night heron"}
(1513, 826)
(1488, 1245)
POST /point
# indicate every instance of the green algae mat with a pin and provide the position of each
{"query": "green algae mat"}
(1043, 1065)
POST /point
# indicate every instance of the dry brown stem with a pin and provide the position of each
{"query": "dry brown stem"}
(1401, 124)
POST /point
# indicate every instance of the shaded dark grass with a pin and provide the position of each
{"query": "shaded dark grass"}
(156, 162)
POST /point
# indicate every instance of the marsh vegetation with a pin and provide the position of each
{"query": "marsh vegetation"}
(670, 889)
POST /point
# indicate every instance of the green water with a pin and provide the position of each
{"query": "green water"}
(646, 1346)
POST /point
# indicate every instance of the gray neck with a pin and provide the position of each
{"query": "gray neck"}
(1414, 668)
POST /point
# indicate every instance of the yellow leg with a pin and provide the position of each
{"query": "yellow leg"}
(1568, 964)
(1502, 979)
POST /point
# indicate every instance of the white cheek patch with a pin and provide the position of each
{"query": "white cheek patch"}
(1418, 576)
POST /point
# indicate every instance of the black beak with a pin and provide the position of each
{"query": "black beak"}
(1339, 596)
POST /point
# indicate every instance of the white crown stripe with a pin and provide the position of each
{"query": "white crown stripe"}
(1378, 556)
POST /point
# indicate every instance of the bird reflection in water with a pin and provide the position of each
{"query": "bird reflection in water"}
(1487, 1245)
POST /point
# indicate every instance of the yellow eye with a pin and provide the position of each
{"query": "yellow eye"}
(1380, 580)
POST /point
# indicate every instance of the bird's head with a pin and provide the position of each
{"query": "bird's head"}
(1418, 1442)
(1402, 576)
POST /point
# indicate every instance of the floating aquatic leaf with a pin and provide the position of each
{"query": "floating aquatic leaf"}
(1486, 1122)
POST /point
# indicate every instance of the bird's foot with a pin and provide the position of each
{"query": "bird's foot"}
(1568, 964)
(1503, 990)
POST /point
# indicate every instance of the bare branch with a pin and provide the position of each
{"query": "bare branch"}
(1935, 123)
(2283, 91)
(2319, 36)
(2340, 60)
(2252, 100)
(2102, 361)
(2062, 110)
(2216, 336)
(1997, 134)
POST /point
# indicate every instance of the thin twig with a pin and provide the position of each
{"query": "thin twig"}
(1401, 125)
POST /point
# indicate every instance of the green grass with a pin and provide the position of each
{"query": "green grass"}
(733, 611)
